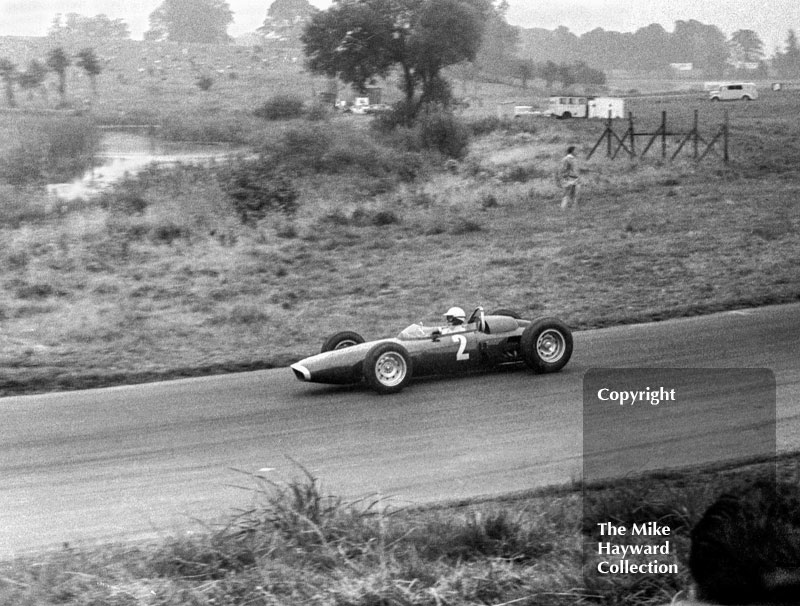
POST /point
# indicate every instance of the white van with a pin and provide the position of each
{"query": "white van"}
(734, 91)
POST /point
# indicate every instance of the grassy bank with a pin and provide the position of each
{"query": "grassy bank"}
(162, 278)
(298, 545)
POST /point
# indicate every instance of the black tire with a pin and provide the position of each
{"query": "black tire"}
(387, 368)
(340, 340)
(506, 312)
(746, 98)
(546, 345)
(715, 99)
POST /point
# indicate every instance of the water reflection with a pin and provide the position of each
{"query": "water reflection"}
(125, 154)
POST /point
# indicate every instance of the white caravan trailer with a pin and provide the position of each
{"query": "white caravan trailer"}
(586, 107)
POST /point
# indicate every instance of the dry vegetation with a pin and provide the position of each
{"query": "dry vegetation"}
(298, 545)
(384, 234)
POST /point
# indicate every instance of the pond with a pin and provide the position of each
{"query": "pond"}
(125, 154)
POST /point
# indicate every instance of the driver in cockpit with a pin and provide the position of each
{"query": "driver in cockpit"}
(455, 318)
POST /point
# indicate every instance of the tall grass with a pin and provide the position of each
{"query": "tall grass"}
(53, 149)
(297, 544)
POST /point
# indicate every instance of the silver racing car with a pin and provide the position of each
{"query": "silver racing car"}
(485, 341)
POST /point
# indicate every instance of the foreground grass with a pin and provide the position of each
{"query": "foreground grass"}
(98, 294)
(297, 545)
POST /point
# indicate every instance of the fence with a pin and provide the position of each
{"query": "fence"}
(627, 143)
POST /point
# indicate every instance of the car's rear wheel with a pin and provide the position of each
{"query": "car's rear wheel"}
(340, 340)
(387, 368)
(505, 312)
(547, 345)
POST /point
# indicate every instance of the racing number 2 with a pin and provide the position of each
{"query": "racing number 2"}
(462, 341)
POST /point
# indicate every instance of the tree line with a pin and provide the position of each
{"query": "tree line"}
(653, 48)
(33, 77)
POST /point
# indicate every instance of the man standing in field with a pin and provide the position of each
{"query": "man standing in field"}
(568, 179)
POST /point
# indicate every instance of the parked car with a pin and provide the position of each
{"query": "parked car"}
(734, 91)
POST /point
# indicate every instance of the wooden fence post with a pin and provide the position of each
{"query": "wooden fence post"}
(633, 136)
(725, 139)
(663, 135)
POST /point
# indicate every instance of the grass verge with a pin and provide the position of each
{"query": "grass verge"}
(299, 545)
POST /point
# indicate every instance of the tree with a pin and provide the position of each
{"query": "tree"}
(705, 46)
(788, 62)
(524, 69)
(746, 46)
(549, 73)
(8, 74)
(33, 77)
(204, 21)
(97, 27)
(497, 53)
(58, 62)
(361, 40)
(87, 59)
(287, 12)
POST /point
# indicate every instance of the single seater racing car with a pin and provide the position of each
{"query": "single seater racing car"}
(485, 341)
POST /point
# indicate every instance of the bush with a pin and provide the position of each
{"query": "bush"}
(205, 82)
(256, 188)
(55, 150)
(440, 130)
(281, 107)
(401, 113)
(490, 124)
(318, 111)
(303, 147)
(124, 202)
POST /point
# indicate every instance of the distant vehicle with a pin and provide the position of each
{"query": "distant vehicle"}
(359, 106)
(734, 91)
(586, 107)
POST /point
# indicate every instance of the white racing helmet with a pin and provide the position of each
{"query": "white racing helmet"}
(455, 315)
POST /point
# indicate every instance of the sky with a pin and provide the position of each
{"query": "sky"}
(771, 19)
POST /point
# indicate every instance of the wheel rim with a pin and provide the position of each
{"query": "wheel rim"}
(390, 369)
(345, 343)
(551, 345)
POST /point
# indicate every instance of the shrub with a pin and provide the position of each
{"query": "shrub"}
(39, 290)
(205, 82)
(489, 124)
(124, 202)
(256, 188)
(465, 226)
(385, 217)
(400, 114)
(304, 146)
(318, 111)
(167, 232)
(55, 150)
(441, 131)
(281, 107)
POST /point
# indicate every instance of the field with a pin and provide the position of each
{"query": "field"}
(95, 293)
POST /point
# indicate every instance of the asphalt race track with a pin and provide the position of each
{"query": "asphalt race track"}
(146, 460)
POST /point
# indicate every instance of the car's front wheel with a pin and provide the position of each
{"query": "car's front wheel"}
(547, 345)
(340, 340)
(387, 368)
